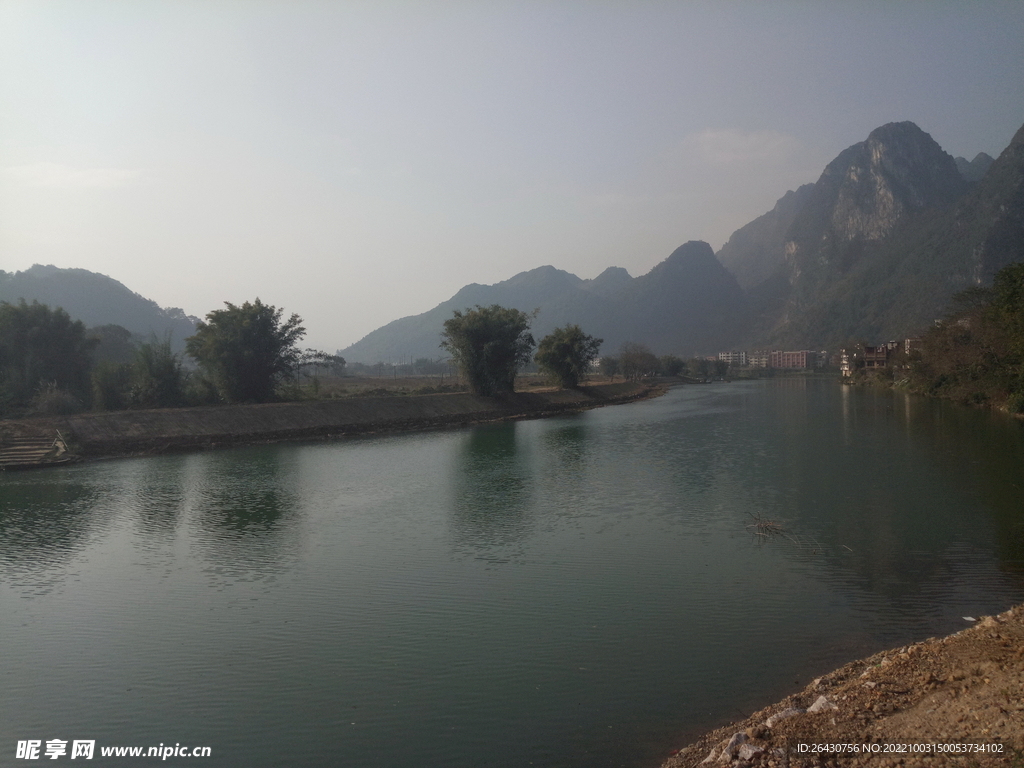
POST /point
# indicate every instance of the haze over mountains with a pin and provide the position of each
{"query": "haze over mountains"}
(902, 237)
(873, 250)
(96, 300)
(690, 289)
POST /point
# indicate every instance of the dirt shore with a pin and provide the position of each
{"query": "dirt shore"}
(125, 433)
(956, 700)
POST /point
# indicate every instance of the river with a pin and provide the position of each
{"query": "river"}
(588, 590)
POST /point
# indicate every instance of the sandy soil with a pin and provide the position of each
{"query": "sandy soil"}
(957, 700)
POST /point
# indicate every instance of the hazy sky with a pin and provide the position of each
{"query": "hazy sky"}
(356, 162)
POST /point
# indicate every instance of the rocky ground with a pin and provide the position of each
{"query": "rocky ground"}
(957, 700)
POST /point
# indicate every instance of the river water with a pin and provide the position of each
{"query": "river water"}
(588, 590)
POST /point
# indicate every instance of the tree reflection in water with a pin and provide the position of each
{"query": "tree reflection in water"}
(244, 512)
(493, 485)
(43, 525)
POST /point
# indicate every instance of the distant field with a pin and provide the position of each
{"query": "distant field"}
(355, 386)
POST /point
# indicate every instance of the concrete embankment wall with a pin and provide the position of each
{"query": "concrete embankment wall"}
(121, 432)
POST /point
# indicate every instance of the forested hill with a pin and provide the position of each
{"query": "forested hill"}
(96, 300)
(686, 304)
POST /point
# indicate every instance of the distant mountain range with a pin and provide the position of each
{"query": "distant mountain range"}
(96, 300)
(974, 169)
(873, 250)
(690, 290)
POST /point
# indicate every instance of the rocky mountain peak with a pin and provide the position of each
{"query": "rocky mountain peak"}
(899, 169)
(862, 195)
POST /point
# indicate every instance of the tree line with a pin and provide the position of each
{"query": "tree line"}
(50, 363)
(250, 353)
(636, 361)
(492, 344)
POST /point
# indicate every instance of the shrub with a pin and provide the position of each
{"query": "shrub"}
(52, 400)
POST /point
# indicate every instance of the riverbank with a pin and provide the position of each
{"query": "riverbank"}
(123, 433)
(987, 401)
(928, 704)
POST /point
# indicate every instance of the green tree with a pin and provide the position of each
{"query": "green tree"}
(1007, 312)
(976, 354)
(158, 379)
(246, 350)
(637, 361)
(1007, 305)
(489, 345)
(41, 347)
(111, 385)
(565, 355)
(114, 344)
(671, 365)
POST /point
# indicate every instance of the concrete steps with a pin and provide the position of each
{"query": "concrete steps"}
(17, 452)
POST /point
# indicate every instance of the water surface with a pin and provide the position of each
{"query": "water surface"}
(579, 591)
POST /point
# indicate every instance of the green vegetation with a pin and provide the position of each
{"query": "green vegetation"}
(44, 354)
(97, 301)
(246, 350)
(976, 355)
(702, 368)
(111, 385)
(114, 344)
(670, 365)
(636, 361)
(147, 375)
(489, 345)
(565, 355)
(158, 379)
(50, 364)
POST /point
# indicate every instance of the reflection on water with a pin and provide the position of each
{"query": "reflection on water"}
(493, 485)
(983, 448)
(155, 491)
(570, 592)
(905, 500)
(567, 449)
(43, 524)
(242, 511)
